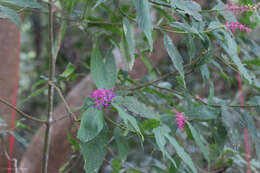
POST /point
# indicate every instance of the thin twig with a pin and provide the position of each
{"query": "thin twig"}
(7, 155)
(21, 112)
(161, 78)
(73, 116)
(196, 97)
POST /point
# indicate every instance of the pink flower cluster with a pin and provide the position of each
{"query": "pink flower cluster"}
(241, 8)
(103, 97)
(180, 120)
(235, 25)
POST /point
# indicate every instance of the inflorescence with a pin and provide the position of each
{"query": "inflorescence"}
(180, 120)
(241, 8)
(235, 25)
(103, 97)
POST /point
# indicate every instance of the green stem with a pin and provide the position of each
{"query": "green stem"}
(50, 92)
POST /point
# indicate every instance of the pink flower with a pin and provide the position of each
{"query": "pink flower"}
(235, 25)
(180, 120)
(103, 97)
(241, 8)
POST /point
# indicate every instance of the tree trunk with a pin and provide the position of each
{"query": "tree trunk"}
(9, 54)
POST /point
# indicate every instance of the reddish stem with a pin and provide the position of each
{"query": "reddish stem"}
(245, 132)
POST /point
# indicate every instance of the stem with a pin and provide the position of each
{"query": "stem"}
(21, 112)
(50, 92)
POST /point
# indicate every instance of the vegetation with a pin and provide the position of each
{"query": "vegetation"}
(195, 111)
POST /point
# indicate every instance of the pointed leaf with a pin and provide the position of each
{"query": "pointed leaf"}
(198, 141)
(130, 47)
(70, 68)
(189, 7)
(111, 69)
(104, 74)
(159, 134)
(143, 19)
(174, 55)
(127, 118)
(133, 105)
(182, 154)
(231, 49)
(23, 3)
(98, 3)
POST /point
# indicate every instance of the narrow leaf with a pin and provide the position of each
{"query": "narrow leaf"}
(143, 19)
(182, 154)
(23, 3)
(70, 68)
(138, 108)
(98, 3)
(174, 55)
(189, 7)
(127, 118)
(198, 141)
(129, 36)
(159, 134)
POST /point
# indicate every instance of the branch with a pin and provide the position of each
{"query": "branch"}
(21, 112)
(162, 77)
(52, 61)
(196, 97)
(72, 115)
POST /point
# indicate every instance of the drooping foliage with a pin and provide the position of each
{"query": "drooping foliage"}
(166, 124)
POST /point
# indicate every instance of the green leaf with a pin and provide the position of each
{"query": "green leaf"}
(33, 94)
(103, 73)
(127, 118)
(138, 108)
(116, 166)
(205, 73)
(130, 47)
(122, 144)
(10, 14)
(191, 47)
(181, 153)
(94, 152)
(234, 124)
(254, 62)
(203, 113)
(231, 49)
(92, 123)
(70, 68)
(150, 124)
(98, 3)
(19, 138)
(197, 139)
(174, 55)
(23, 3)
(159, 134)
(184, 27)
(40, 82)
(144, 20)
(253, 131)
(111, 69)
(189, 7)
